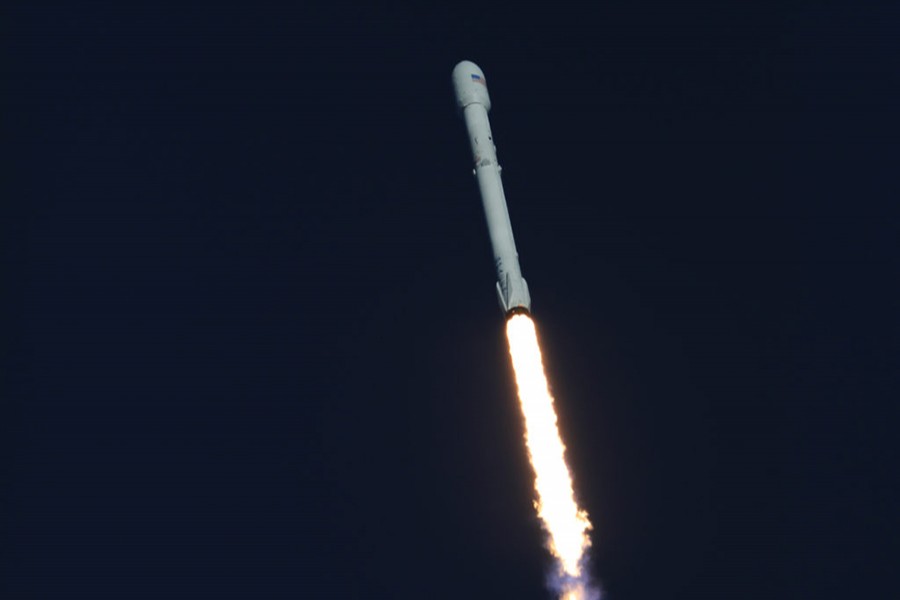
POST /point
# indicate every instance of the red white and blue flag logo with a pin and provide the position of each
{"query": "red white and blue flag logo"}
(478, 79)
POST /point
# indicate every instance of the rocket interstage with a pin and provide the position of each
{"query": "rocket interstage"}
(474, 102)
(566, 524)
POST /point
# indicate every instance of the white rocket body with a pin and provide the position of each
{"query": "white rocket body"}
(474, 103)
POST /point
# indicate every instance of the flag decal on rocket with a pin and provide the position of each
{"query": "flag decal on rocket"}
(478, 78)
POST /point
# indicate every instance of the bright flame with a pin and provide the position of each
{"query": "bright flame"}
(566, 524)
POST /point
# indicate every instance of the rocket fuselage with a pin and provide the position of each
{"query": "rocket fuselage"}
(474, 103)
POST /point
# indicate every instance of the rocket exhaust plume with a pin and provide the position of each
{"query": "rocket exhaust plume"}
(566, 524)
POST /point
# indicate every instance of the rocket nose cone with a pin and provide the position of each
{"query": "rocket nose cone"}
(470, 85)
(467, 65)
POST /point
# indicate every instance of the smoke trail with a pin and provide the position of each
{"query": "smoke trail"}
(566, 524)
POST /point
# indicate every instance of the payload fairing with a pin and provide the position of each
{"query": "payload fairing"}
(474, 103)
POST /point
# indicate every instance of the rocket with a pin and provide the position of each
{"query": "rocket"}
(474, 103)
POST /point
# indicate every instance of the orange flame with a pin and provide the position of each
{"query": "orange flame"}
(566, 524)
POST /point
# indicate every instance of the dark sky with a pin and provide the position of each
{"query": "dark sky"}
(252, 347)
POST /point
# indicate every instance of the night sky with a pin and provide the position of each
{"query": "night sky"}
(251, 342)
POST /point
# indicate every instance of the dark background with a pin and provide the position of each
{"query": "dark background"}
(252, 347)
